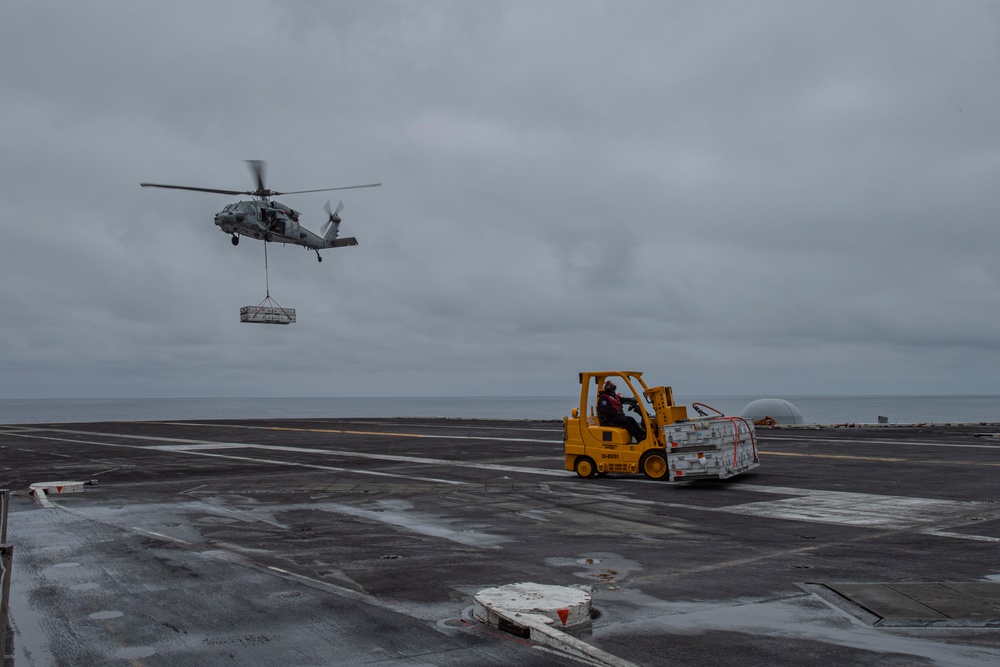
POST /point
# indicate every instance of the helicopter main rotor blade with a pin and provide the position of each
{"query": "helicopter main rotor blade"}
(186, 187)
(346, 187)
(257, 168)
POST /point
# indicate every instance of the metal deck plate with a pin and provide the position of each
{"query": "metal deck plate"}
(950, 604)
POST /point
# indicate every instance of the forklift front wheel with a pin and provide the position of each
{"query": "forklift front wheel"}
(585, 467)
(654, 466)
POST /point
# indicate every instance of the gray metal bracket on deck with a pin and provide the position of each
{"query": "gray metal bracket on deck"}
(6, 559)
(4, 500)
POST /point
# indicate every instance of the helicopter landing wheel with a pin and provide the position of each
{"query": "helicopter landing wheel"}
(236, 239)
(319, 258)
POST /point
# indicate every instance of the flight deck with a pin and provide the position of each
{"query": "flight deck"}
(365, 541)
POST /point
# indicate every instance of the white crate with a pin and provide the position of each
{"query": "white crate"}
(708, 432)
(719, 447)
(267, 314)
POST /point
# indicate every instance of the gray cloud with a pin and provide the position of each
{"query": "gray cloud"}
(760, 198)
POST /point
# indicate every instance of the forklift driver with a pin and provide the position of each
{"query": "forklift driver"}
(610, 413)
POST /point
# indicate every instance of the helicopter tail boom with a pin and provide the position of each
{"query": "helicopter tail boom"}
(331, 231)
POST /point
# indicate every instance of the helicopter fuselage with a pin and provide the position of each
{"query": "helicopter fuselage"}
(273, 222)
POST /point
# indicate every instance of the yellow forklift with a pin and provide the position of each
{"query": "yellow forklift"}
(672, 447)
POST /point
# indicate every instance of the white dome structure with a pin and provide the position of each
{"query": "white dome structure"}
(777, 409)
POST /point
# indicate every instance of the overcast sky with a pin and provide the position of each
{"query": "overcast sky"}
(754, 198)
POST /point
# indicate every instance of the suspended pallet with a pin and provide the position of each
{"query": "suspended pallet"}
(267, 312)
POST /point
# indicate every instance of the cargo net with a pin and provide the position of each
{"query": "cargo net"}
(267, 312)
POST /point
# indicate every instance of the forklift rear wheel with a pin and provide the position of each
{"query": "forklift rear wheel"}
(585, 467)
(654, 466)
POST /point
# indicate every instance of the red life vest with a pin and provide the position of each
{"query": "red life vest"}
(608, 405)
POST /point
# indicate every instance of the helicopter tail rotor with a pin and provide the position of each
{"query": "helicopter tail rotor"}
(333, 221)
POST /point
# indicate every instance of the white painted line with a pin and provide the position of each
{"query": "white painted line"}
(764, 439)
(416, 522)
(961, 536)
(161, 536)
(857, 509)
(781, 490)
(401, 434)
(313, 466)
(269, 461)
(14, 429)
(200, 446)
(390, 422)
(841, 508)
(384, 457)
(124, 436)
(188, 446)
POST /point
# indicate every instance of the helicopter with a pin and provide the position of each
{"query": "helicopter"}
(271, 221)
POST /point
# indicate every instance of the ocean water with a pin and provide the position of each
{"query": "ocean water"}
(814, 409)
